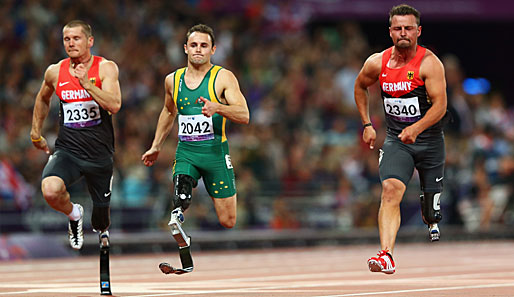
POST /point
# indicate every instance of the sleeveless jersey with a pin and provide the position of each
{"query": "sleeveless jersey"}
(85, 128)
(404, 95)
(195, 129)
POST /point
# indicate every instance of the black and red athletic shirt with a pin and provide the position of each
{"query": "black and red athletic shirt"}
(85, 128)
(404, 95)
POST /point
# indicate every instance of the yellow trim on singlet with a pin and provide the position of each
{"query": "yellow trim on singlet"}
(214, 73)
(223, 135)
(178, 74)
(212, 94)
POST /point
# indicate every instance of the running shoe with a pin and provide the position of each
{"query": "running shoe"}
(382, 263)
(75, 233)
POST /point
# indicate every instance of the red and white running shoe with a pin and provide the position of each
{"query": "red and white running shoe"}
(382, 263)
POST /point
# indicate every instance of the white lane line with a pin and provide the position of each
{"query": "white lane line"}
(423, 290)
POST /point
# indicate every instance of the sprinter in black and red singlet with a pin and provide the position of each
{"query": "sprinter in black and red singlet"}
(413, 89)
(89, 94)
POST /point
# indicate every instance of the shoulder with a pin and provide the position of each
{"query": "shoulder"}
(430, 59)
(52, 72)
(225, 75)
(169, 80)
(373, 64)
(172, 76)
(375, 58)
(430, 63)
(108, 66)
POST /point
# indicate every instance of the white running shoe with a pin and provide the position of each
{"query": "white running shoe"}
(383, 262)
(75, 233)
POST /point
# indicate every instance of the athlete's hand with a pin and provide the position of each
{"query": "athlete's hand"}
(209, 108)
(80, 72)
(369, 135)
(150, 156)
(409, 135)
(42, 145)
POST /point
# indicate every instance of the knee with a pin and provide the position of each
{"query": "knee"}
(53, 189)
(228, 221)
(392, 192)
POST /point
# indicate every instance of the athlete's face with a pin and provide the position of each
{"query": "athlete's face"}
(75, 41)
(404, 31)
(199, 48)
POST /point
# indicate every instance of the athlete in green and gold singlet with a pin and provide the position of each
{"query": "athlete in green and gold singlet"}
(204, 96)
(202, 150)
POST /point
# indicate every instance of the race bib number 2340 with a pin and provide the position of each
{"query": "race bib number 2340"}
(403, 109)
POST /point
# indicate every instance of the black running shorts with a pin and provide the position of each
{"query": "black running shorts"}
(398, 160)
(98, 174)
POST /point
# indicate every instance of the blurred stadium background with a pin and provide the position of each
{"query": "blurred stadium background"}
(303, 175)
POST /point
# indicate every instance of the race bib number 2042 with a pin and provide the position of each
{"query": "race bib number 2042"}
(195, 128)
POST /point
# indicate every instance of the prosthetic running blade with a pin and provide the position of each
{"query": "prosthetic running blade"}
(105, 279)
(185, 258)
(184, 244)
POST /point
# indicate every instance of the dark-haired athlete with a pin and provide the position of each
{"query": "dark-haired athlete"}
(413, 88)
(204, 96)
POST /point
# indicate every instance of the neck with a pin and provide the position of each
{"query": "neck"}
(200, 69)
(82, 60)
(404, 54)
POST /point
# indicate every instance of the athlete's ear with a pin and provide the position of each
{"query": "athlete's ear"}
(185, 48)
(90, 41)
(419, 31)
(213, 50)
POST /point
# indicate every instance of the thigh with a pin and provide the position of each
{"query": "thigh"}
(218, 176)
(430, 165)
(98, 176)
(225, 207)
(395, 161)
(63, 165)
(185, 164)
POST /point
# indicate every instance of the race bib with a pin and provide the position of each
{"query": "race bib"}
(195, 128)
(403, 109)
(81, 114)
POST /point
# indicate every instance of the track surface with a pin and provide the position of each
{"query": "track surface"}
(424, 269)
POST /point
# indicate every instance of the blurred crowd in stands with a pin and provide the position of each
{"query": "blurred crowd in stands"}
(300, 163)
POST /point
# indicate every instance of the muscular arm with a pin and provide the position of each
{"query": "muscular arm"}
(432, 72)
(42, 106)
(109, 97)
(367, 77)
(164, 125)
(236, 109)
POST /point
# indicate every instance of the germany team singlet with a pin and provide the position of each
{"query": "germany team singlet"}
(404, 95)
(195, 129)
(85, 128)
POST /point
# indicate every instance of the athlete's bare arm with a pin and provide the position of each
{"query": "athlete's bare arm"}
(368, 75)
(432, 72)
(236, 108)
(165, 123)
(109, 96)
(42, 106)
